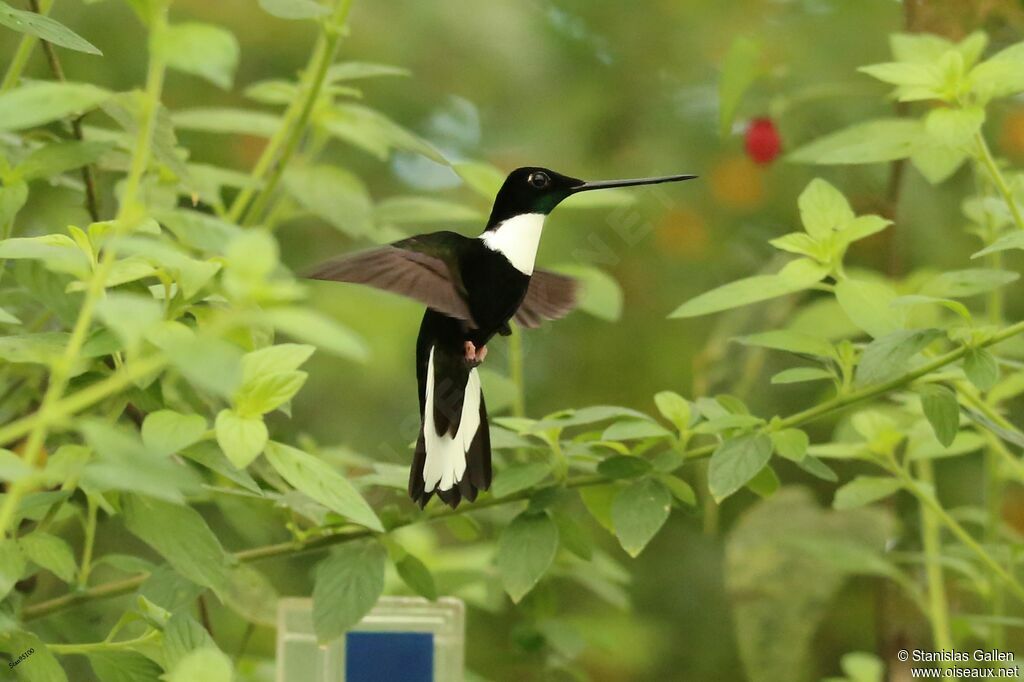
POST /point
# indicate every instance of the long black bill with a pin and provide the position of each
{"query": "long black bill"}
(607, 184)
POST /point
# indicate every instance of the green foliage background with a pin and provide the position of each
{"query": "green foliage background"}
(779, 441)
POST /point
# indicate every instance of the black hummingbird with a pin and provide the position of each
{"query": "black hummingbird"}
(472, 287)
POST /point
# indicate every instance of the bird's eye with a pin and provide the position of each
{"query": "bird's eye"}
(539, 180)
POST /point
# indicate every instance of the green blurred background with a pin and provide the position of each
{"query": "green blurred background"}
(596, 89)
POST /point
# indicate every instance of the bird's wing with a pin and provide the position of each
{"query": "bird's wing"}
(550, 296)
(404, 268)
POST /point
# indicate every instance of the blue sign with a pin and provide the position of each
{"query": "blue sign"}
(389, 656)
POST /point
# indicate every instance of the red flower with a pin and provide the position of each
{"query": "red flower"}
(763, 142)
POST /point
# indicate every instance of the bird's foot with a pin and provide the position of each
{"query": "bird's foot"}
(474, 355)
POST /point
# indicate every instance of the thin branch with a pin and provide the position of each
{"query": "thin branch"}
(88, 176)
(286, 139)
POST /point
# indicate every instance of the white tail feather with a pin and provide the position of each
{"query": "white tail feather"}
(446, 453)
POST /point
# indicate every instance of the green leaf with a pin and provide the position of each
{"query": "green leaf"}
(954, 127)
(864, 490)
(294, 9)
(765, 484)
(739, 71)
(1001, 74)
(861, 227)
(675, 408)
(58, 252)
(482, 178)
(210, 363)
(347, 71)
(12, 199)
(623, 466)
(121, 462)
(801, 244)
(347, 585)
(203, 50)
(634, 429)
(129, 316)
(598, 500)
(981, 368)
(918, 47)
(735, 462)
(889, 355)
(795, 276)
(166, 432)
(943, 413)
(791, 342)
(601, 295)
(1014, 240)
(905, 73)
(56, 158)
(182, 635)
(868, 305)
(639, 512)
(321, 482)
(375, 133)
(226, 120)
(241, 438)
(948, 303)
(44, 666)
(49, 552)
(525, 552)
(791, 444)
(208, 664)
(269, 392)
(12, 565)
(518, 477)
(37, 103)
(966, 283)
(180, 535)
(411, 210)
(334, 194)
(280, 358)
(41, 26)
(37, 349)
(124, 666)
(680, 489)
(798, 375)
(417, 576)
(815, 467)
(323, 332)
(878, 141)
(823, 209)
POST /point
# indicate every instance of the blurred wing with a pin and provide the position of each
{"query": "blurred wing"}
(419, 276)
(549, 297)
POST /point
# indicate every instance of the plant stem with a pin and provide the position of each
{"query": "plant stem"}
(286, 139)
(84, 398)
(23, 53)
(331, 537)
(938, 610)
(60, 373)
(92, 647)
(88, 177)
(929, 500)
(515, 370)
(874, 390)
(989, 162)
(90, 539)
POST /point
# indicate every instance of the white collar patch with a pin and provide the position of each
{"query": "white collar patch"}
(517, 239)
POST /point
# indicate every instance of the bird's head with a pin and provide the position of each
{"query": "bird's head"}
(539, 190)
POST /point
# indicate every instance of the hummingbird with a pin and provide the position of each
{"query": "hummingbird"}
(473, 287)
